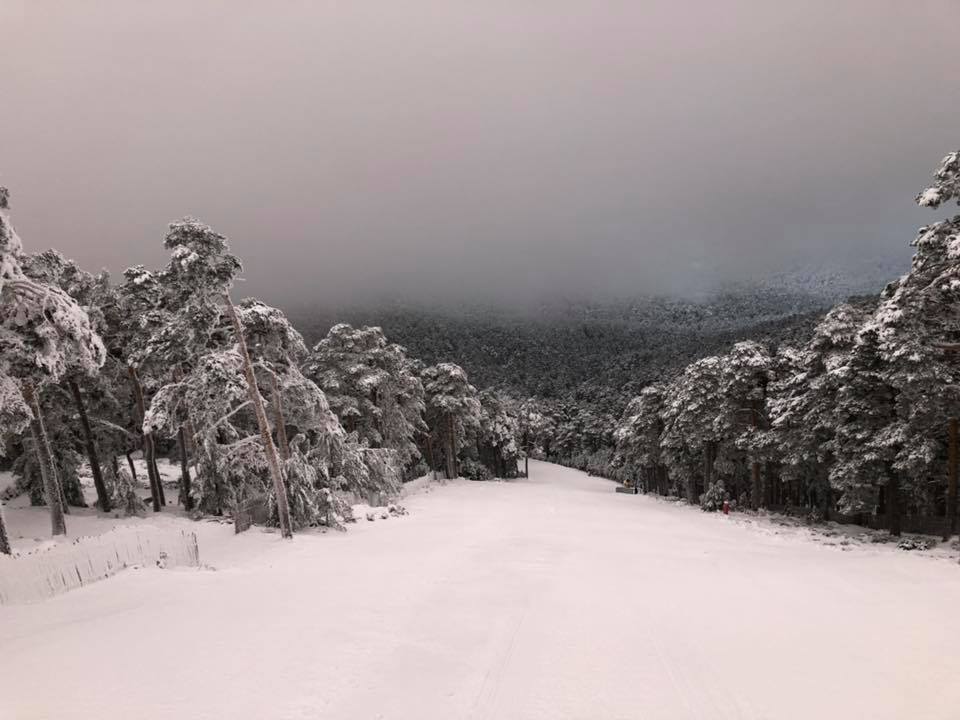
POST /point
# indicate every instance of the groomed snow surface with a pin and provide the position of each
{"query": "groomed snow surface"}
(549, 598)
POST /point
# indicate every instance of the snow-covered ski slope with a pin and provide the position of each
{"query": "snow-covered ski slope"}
(547, 598)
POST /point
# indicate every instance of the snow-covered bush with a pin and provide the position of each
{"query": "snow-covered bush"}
(126, 494)
(712, 499)
(474, 470)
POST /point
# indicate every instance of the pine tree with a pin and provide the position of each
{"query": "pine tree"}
(372, 387)
(269, 450)
(14, 418)
(53, 268)
(743, 388)
(452, 409)
(44, 335)
(919, 314)
(201, 269)
(868, 431)
(638, 438)
(497, 435)
(691, 439)
(536, 429)
(801, 402)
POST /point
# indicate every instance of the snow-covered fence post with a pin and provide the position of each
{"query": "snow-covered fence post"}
(283, 509)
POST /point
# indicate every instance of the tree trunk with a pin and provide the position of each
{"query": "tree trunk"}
(148, 452)
(51, 485)
(103, 497)
(709, 458)
(133, 468)
(893, 505)
(756, 494)
(192, 447)
(152, 474)
(950, 526)
(187, 442)
(4, 538)
(283, 509)
(185, 481)
(278, 421)
(156, 472)
(451, 469)
(824, 483)
(430, 458)
(772, 483)
(526, 465)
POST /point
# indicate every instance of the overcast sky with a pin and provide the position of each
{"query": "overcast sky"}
(479, 147)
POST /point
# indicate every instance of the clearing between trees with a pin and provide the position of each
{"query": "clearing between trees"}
(549, 597)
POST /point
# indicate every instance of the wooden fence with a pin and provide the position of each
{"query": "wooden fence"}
(46, 572)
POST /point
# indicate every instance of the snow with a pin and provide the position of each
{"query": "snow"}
(552, 597)
(929, 197)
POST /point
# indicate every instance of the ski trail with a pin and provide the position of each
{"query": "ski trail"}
(489, 691)
(546, 600)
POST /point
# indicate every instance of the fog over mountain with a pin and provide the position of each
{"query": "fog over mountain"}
(493, 151)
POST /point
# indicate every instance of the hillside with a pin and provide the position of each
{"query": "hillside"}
(578, 350)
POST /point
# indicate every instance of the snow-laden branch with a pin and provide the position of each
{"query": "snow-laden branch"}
(116, 427)
(221, 420)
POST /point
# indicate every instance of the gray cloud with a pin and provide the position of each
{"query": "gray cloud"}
(493, 149)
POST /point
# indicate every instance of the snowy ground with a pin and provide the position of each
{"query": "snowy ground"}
(549, 598)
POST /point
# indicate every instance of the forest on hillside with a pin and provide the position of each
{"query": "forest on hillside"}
(595, 354)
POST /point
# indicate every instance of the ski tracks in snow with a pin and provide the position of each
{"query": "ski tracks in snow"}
(485, 705)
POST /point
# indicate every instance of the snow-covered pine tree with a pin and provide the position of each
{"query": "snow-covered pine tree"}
(536, 429)
(919, 316)
(53, 268)
(300, 410)
(201, 269)
(638, 439)
(691, 439)
(44, 334)
(256, 400)
(215, 395)
(745, 376)
(372, 387)
(452, 409)
(800, 403)
(868, 433)
(497, 435)
(133, 312)
(15, 417)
